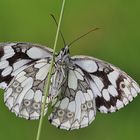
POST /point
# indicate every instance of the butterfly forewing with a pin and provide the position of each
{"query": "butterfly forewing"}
(15, 57)
(112, 88)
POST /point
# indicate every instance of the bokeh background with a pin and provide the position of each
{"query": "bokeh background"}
(118, 41)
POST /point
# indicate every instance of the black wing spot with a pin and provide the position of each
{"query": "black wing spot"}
(113, 100)
(100, 101)
(1, 52)
(16, 57)
(18, 54)
(7, 79)
(103, 76)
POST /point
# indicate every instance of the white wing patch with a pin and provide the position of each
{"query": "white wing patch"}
(36, 53)
(87, 65)
(76, 107)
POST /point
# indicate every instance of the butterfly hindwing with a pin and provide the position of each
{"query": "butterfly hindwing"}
(76, 106)
(24, 96)
(113, 89)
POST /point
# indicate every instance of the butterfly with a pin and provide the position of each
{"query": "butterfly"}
(80, 85)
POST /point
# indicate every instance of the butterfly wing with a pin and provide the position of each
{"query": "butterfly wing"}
(75, 107)
(14, 57)
(23, 70)
(112, 88)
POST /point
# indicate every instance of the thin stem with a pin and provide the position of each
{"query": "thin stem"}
(50, 71)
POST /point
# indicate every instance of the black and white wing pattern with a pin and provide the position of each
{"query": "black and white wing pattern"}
(23, 70)
(112, 88)
(75, 107)
(85, 84)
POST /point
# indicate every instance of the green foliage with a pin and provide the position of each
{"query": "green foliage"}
(117, 42)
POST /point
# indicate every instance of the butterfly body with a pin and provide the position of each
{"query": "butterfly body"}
(80, 85)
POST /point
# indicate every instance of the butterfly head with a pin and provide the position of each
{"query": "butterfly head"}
(63, 56)
(65, 51)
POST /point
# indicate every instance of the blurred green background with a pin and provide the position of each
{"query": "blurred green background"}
(118, 42)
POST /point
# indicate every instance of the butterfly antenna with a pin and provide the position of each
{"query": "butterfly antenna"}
(59, 30)
(92, 30)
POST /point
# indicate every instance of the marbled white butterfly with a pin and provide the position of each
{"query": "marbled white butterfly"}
(80, 85)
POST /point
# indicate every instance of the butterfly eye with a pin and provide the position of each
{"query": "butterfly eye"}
(89, 104)
(19, 89)
(26, 103)
(15, 84)
(36, 106)
(84, 107)
(60, 113)
(122, 85)
(70, 114)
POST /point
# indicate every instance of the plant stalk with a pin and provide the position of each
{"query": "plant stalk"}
(50, 72)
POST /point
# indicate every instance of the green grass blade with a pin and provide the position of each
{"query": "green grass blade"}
(50, 71)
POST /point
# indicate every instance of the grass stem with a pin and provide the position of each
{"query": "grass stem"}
(49, 74)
